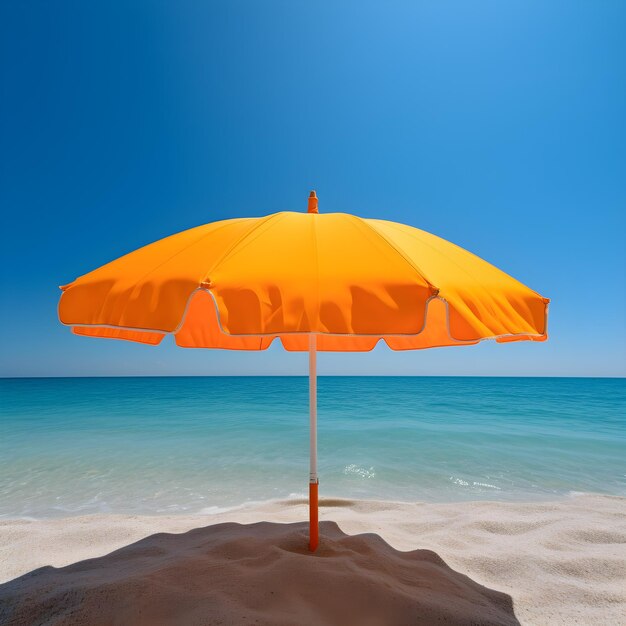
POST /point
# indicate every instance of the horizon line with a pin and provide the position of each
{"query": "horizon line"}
(606, 377)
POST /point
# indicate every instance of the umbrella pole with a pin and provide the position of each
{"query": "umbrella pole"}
(313, 479)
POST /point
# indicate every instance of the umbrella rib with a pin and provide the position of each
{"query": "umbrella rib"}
(178, 252)
(399, 252)
(261, 222)
(420, 238)
(471, 275)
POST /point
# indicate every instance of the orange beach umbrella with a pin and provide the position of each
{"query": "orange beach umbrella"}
(316, 282)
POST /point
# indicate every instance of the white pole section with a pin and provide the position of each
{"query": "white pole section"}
(313, 404)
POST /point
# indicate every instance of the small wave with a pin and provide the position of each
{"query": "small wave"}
(458, 481)
(297, 495)
(466, 483)
(357, 470)
(486, 485)
(215, 510)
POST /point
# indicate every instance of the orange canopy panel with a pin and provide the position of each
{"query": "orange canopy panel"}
(238, 284)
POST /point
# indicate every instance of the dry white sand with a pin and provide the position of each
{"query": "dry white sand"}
(540, 563)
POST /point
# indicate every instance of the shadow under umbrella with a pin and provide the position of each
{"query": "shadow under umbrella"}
(259, 573)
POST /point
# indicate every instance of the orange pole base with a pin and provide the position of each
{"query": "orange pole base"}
(314, 531)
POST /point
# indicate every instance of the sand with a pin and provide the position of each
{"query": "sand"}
(560, 562)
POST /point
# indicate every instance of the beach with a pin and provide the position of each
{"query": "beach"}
(168, 501)
(559, 562)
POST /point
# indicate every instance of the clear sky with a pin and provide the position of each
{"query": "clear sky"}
(498, 125)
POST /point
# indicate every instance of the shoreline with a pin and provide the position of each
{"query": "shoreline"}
(302, 499)
(560, 561)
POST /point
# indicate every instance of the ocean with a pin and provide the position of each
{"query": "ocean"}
(75, 446)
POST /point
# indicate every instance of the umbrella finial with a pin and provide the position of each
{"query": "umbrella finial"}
(312, 203)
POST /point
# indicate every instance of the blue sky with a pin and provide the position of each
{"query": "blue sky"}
(499, 126)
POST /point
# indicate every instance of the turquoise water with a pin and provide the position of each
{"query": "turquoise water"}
(168, 445)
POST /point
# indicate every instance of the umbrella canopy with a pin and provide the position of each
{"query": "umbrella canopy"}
(316, 282)
(241, 283)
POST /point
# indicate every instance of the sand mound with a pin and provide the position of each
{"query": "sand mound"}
(254, 574)
(562, 562)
